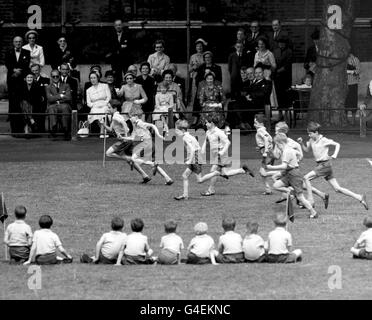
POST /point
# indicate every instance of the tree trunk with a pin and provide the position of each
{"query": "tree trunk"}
(330, 83)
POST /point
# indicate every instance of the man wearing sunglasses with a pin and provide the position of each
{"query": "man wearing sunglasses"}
(59, 101)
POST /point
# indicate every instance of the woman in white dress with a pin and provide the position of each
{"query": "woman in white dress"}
(98, 97)
(36, 51)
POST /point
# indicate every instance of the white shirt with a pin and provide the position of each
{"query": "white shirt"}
(172, 242)
(201, 246)
(365, 240)
(253, 247)
(279, 239)
(119, 125)
(192, 146)
(36, 54)
(135, 244)
(111, 243)
(261, 136)
(231, 242)
(46, 241)
(18, 234)
(289, 156)
(320, 148)
(17, 54)
(297, 147)
(217, 139)
(141, 130)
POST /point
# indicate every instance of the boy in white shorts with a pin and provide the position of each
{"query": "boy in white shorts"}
(219, 146)
(192, 162)
(320, 147)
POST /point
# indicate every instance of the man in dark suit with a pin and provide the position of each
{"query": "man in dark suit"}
(42, 83)
(119, 55)
(312, 54)
(252, 41)
(59, 101)
(277, 33)
(72, 82)
(236, 60)
(17, 62)
(259, 95)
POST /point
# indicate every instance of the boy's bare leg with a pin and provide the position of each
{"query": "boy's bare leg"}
(207, 176)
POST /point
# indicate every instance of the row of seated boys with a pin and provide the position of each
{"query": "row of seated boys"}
(115, 247)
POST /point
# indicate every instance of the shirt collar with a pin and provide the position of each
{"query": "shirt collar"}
(20, 221)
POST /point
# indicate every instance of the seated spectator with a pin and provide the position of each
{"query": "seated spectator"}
(108, 247)
(253, 244)
(362, 248)
(283, 75)
(177, 79)
(149, 86)
(18, 237)
(136, 249)
(98, 97)
(201, 247)
(307, 82)
(280, 243)
(171, 245)
(158, 61)
(110, 80)
(133, 70)
(131, 93)
(73, 83)
(98, 70)
(62, 53)
(236, 60)
(312, 54)
(230, 244)
(42, 82)
(164, 101)
(45, 245)
(59, 101)
(36, 51)
(264, 56)
(30, 100)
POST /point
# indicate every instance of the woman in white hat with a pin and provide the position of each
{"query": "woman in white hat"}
(36, 51)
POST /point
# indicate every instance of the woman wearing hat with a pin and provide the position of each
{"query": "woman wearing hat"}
(196, 60)
(36, 51)
(131, 93)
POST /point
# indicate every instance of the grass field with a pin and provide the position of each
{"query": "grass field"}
(82, 197)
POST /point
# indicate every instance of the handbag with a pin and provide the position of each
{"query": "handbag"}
(83, 129)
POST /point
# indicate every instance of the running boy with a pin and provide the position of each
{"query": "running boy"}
(320, 147)
(192, 162)
(291, 178)
(123, 149)
(264, 143)
(219, 146)
(18, 237)
(141, 131)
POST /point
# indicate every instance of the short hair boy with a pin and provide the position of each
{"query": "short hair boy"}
(230, 244)
(362, 248)
(280, 243)
(201, 247)
(45, 244)
(18, 237)
(171, 245)
(108, 247)
(253, 244)
(136, 249)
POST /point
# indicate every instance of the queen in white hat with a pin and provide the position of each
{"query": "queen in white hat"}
(36, 51)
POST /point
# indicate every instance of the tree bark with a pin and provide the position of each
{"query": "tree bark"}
(330, 83)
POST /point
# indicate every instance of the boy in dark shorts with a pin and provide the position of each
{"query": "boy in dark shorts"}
(291, 179)
(320, 147)
(122, 149)
(192, 162)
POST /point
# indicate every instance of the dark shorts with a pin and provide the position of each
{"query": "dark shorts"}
(281, 258)
(294, 179)
(133, 260)
(259, 260)
(123, 147)
(45, 259)
(363, 254)
(193, 259)
(195, 167)
(231, 258)
(103, 260)
(324, 169)
(19, 254)
(168, 257)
